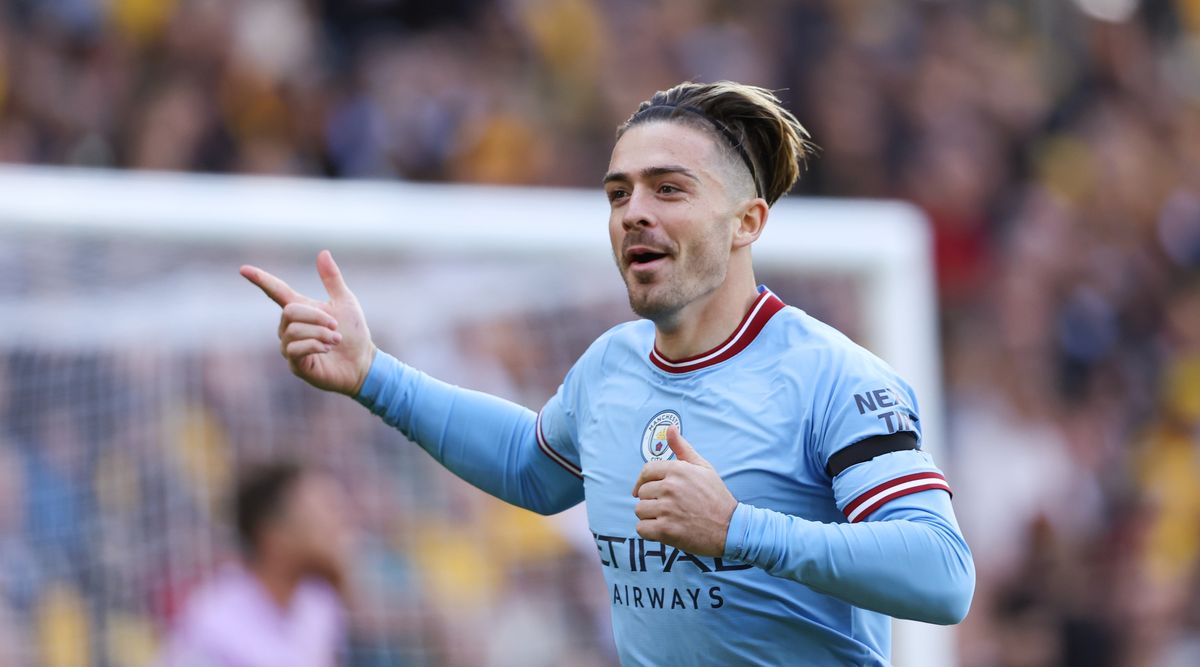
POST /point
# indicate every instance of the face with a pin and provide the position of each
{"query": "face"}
(673, 200)
(316, 527)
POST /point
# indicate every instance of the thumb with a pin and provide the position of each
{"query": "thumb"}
(331, 276)
(683, 449)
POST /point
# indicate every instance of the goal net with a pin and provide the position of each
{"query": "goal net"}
(138, 372)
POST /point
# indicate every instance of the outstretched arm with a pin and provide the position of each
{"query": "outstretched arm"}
(487, 441)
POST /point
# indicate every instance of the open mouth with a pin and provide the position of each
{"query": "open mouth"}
(640, 257)
(643, 258)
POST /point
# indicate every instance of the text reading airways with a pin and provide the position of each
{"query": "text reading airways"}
(635, 554)
(638, 555)
(661, 597)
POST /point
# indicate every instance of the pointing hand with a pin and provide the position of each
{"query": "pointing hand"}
(326, 343)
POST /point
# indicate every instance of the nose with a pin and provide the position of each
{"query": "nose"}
(638, 210)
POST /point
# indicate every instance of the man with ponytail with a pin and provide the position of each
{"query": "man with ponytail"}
(755, 481)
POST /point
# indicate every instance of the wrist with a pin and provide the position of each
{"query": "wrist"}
(364, 371)
(736, 532)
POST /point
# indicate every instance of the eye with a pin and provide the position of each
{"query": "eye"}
(668, 189)
(616, 194)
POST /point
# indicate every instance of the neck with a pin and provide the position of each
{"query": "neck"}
(706, 322)
(279, 582)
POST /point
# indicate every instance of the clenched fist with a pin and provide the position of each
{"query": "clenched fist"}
(326, 343)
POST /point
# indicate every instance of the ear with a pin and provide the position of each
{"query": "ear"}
(751, 221)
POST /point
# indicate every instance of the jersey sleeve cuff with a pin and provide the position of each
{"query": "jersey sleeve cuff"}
(739, 527)
(384, 372)
(762, 537)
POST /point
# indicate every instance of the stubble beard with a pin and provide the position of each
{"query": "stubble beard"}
(662, 301)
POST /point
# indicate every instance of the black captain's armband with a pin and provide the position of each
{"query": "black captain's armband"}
(868, 448)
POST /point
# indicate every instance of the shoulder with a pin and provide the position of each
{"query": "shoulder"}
(815, 346)
(216, 608)
(834, 369)
(319, 609)
(319, 597)
(618, 343)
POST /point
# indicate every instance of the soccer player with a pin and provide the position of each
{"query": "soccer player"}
(282, 606)
(755, 481)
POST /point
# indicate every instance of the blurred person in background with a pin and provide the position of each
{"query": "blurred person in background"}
(282, 606)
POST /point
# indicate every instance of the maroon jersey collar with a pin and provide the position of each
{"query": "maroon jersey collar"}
(763, 308)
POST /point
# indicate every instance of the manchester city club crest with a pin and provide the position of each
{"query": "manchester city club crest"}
(654, 439)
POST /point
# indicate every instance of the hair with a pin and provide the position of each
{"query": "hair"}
(749, 121)
(261, 495)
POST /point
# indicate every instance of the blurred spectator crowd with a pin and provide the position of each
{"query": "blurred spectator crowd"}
(116, 467)
(1054, 145)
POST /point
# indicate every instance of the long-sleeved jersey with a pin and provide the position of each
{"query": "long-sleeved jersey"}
(842, 519)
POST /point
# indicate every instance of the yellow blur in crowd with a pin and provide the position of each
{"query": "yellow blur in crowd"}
(1063, 193)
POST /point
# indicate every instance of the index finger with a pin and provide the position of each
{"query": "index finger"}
(652, 471)
(273, 287)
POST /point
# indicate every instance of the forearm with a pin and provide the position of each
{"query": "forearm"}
(914, 564)
(489, 442)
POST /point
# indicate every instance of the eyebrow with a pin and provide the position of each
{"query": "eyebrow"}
(651, 172)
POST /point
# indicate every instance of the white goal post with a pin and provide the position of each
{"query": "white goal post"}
(884, 246)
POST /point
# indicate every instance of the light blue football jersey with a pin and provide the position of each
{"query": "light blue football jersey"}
(768, 407)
